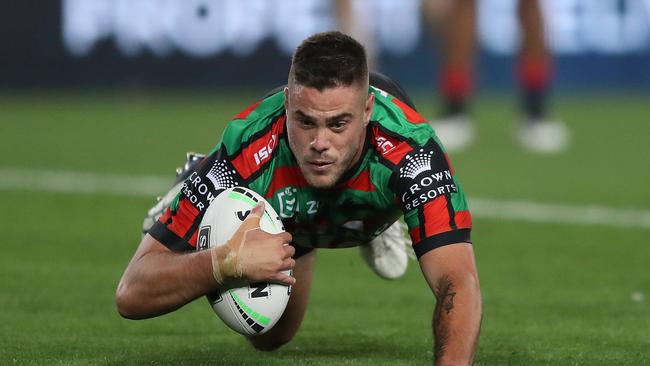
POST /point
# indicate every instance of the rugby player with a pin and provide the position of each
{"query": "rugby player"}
(340, 158)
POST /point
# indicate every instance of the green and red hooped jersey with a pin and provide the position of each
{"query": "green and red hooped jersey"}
(403, 171)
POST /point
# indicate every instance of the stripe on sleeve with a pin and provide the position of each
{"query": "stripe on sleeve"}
(184, 218)
(436, 217)
(463, 219)
(172, 241)
(442, 239)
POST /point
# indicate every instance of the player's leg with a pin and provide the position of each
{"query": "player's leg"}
(536, 131)
(457, 26)
(285, 329)
(534, 64)
(387, 254)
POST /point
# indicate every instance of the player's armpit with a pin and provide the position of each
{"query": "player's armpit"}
(451, 274)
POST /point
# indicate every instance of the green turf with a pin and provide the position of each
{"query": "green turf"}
(554, 294)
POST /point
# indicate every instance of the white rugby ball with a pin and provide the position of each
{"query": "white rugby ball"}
(252, 309)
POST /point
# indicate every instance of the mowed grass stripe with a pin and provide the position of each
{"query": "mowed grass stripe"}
(149, 185)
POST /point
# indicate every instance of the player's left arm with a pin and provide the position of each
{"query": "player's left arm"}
(451, 273)
(439, 221)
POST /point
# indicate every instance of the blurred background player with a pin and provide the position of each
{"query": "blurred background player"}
(349, 20)
(533, 71)
(455, 22)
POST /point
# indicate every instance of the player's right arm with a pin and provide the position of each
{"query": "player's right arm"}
(167, 272)
(158, 281)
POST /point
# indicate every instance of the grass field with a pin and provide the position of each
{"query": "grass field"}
(554, 293)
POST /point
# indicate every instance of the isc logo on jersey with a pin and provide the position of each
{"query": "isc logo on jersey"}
(255, 308)
(265, 152)
(385, 145)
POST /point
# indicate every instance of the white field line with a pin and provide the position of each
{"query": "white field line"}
(150, 186)
(83, 183)
(557, 213)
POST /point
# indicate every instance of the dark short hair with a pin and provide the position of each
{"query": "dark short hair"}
(327, 60)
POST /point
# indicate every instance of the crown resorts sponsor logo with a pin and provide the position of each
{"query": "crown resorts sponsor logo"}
(200, 193)
(423, 184)
(221, 177)
(416, 164)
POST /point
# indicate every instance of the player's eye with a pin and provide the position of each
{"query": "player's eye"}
(338, 126)
(305, 123)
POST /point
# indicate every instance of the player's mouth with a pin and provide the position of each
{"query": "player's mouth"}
(320, 165)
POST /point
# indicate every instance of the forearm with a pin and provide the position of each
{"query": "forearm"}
(456, 320)
(163, 281)
(157, 281)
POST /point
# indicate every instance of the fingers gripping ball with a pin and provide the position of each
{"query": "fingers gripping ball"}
(229, 265)
(232, 220)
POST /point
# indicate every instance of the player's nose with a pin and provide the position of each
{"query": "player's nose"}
(320, 142)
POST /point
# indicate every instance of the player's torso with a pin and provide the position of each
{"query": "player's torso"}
(350, 214)
(359, 208)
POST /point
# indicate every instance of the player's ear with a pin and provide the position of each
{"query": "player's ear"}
(370, 103)
(286, 98)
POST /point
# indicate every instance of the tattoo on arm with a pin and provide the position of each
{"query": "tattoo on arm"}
(445, 294)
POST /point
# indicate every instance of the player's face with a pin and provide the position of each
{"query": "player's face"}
(327, 129)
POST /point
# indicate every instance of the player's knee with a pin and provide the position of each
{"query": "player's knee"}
(269, 344)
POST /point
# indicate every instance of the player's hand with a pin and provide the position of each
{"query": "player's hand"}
(254, 255)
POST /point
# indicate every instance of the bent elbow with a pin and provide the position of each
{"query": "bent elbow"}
(125, 310)
(473, 287)
(125, 303)
(474, 283)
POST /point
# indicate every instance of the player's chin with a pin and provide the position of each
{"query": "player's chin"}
(321, 181)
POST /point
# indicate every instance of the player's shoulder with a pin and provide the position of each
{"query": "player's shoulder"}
(397, 129)
(262, 108)
(257, 119)
(399, 118)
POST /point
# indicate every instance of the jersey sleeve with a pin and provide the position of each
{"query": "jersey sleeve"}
(177, 228)
(433, 203)
(247, 145)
